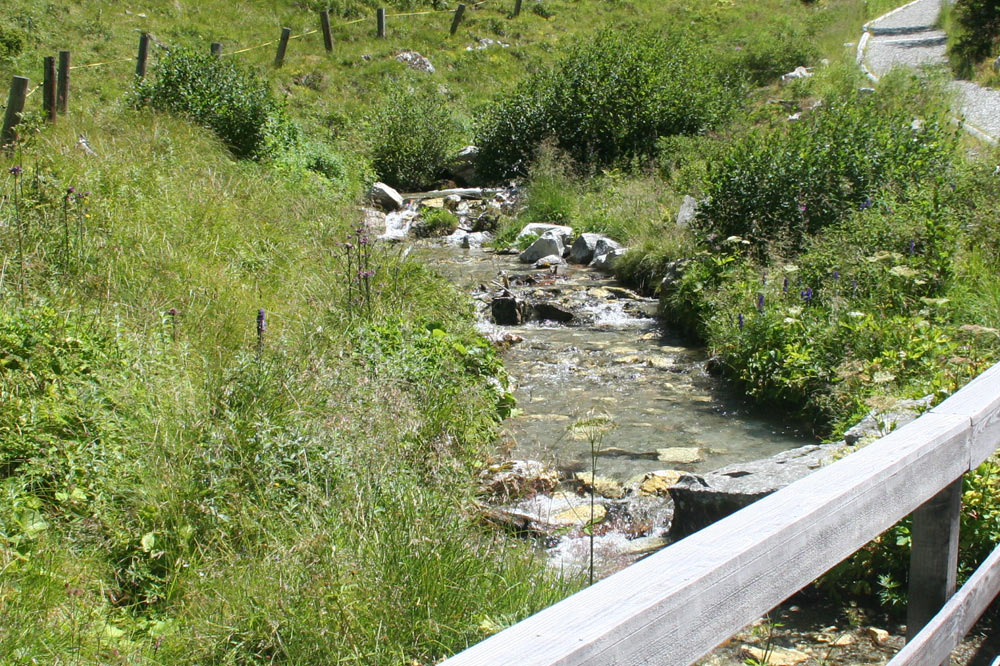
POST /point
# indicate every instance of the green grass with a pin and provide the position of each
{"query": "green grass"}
(178, 487)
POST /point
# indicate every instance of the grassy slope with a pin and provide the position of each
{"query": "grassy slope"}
(172, 494)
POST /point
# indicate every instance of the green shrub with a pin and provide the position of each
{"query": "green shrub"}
(783, 184)
(977, 34)
(607, 103)
(410, 139)
(767, 55)
(11, 42)
(230, 100)
(438, 222)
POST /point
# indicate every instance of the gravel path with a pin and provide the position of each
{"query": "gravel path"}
(908, 36)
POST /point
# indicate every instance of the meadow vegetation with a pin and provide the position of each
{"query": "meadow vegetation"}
(236, 430)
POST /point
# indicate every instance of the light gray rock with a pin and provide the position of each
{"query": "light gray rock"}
(549, 261)
(582, 251)
(514, 479)
(549, 243)
(702, 499)
(797, 73)
(386, 197)
(539, 228)
(687, 211)
(879, 423)
(476, 239)
(414, 60)
(458, 238)
(462, 167)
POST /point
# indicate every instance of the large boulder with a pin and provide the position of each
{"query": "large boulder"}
(507, 311)
(539, 228)
(462, 167)
(687, 211)
(386, 197)
(583, 248)
(606, 254)
(549, 243)
(702, 499)
(550, 312)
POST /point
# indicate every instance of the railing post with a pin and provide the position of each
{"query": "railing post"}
(517, 8)
(62, 83)
(933, 556)
(15, 105)
(216, 49)
(324, 20)
(380, 23)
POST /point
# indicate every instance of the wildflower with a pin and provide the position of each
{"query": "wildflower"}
(760, 303)
(15, 170)
(807, 294)
(739, 321)
(784, 288)
(913, 247)
(867, 203)
(763, 278)
(261, 322)
(854, 287)
(836, 276)
(802, 208)
(172, 312)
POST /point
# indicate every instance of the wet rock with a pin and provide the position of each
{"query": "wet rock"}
(462, 167)
(687, 211)
(582, 251)
(606, 253)
(774, 656)
(386, 197)
(514, 479)
(623, 293)
(458, 238)
(539, 228)
(681, 455)
(881, 422)
(579, 515)
(550, 261)
(507, 311)
(549, 243)
(603, 486)
(700, 500)
(476, 239)
(550, 312)
(659, 483)
(414, 60)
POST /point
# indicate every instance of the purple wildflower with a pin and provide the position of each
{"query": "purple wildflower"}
(854, 287)
(836, 276)
(15, 170)
(739, 321)
(867, 203)
(760, 303)
(172, 312)
(913, 247)
(807, 294)
(784, 288)
(802, 208)
(261, 322)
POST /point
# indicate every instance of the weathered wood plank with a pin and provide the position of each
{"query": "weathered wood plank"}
(933, 556)
(980, 401)
(678, 604)
(935, 642)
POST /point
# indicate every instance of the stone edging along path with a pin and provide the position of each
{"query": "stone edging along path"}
(909, 36)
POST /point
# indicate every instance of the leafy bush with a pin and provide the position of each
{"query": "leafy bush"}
(977, 36)
(768, 54)
(438, 222)
(786, 183)
(411, 137)
(11, 42)
(608, 102)
(230, 100)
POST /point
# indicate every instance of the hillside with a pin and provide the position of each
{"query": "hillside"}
(234, 429)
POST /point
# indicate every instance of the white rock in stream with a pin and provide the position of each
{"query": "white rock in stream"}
(539, 228)
(548, 244)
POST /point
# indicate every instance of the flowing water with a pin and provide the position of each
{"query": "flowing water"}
(616, 359)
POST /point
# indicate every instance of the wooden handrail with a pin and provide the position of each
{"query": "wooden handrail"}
(676, 605)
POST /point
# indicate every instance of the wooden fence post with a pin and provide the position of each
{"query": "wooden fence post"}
(15, 105)
(62, 83)
(458, 18)
(380, 23)
(49, 88)
(140, 63)
(324, 20)
(517, 7)
(216, 49)
(279, 57)
(933, 556)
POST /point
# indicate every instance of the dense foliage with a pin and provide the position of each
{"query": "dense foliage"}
(410, 138)
(608, 101)
(977, 33)
(230, 100)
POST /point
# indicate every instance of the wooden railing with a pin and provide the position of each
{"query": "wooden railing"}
(676, 605)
